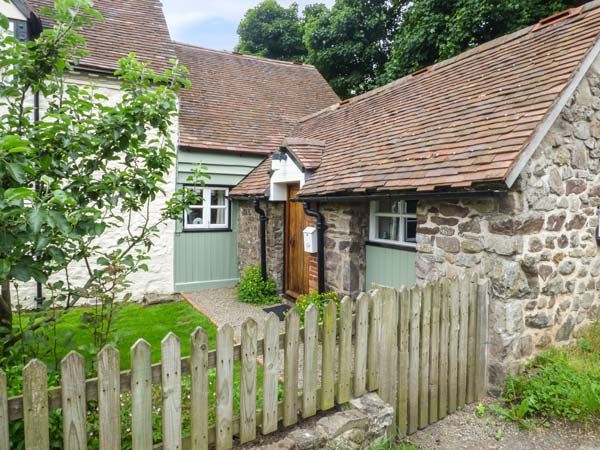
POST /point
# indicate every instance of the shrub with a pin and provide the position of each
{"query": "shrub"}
(559, 383)
(253, 289)
(314, 298)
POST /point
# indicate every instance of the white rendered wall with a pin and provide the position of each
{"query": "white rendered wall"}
(284, 172)
(159, 278)
(10, 11)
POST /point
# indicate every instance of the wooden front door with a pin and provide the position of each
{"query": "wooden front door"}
(296, 277)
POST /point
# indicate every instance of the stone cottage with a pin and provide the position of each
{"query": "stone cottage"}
(488, 162)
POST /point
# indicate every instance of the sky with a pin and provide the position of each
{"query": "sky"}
(213, 23)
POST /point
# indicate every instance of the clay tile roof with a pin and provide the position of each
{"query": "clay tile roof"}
(129, 26)
(308, 152)
(244, 103)
(255, 183)
(463, 121)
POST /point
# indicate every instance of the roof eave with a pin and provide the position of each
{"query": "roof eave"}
(553, 114)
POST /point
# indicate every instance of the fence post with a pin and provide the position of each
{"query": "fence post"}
(35, 406)
(424, 356)
(443, 354)
(434, 353)
(374, 342)
(388, 349)
(482, 338)
(109, 389)
(328, 356)
(345, 369)
(248, 382)
(4, 423)
(413, 376)
(72, 381)
(453, 345)
(403, 360)
(472, 341)
(199, 387)
(141, 395)
(224, 422)
(362, 340)
(290, 378)
(463, 340)
(311, 343)
(270, 374)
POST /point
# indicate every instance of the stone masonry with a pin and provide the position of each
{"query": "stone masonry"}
(537, 245)
(363, 423)
(249, 237)
(347, 230)
(345, 235)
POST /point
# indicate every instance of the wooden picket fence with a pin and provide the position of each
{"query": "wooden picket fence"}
(422, 349)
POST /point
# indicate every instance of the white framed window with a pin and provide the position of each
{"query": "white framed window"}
(393, 222)
(211, 212)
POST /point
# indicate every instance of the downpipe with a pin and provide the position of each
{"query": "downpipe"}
(320, 244)
(263, 238)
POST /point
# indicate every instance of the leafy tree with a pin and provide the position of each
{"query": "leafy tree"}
(434, 30)
(350, 43)
(272, 31)
(85, 167)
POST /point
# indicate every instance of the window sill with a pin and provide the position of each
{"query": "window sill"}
(393, 245)
(207, 230)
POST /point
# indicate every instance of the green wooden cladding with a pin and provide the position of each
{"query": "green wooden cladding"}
(390, 267)
(209, 259)
(225, 169)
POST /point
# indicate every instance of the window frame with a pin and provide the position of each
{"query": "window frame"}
(373, 225)
(207, 207)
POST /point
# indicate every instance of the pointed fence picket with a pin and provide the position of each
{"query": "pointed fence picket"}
(424, 350)
(141, 395)
(108, 398)
(270, 374)
(73, 399)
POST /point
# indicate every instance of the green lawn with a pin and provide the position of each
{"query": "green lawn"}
(152, 323)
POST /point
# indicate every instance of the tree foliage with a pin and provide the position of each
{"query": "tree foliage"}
(272, 31)
(434, 30)
(87, 166)
(350, 43)
(360, 44)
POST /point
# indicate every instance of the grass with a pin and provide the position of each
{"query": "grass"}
(152, 324)
(560, 383)
(134, 321)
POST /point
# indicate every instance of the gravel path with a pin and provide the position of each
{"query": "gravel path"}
(221, 306)
(465, 431)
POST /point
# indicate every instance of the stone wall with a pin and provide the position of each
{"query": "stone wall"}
(537, 245)
(159, 278)
(249, 237)
(347, 230)
(361, 424)
(345, 235)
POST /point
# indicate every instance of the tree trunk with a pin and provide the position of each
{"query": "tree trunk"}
(5, 306)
